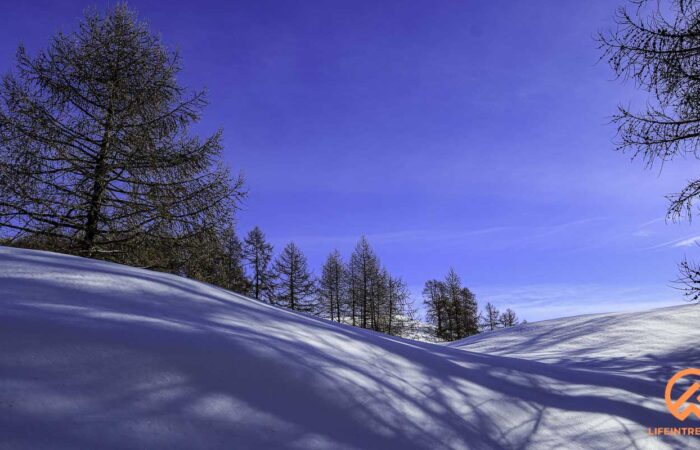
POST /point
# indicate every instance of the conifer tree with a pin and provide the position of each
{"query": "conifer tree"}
(333, 287)
(235, 277)
(257, 252)
(491, 317)
(656, 45)
(96, 150)
(294, 286)
(364, 272)
(508, 318)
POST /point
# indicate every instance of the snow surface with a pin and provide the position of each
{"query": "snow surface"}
(649, 345)
(98, 355)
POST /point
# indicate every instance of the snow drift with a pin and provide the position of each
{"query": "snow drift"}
(98, 355)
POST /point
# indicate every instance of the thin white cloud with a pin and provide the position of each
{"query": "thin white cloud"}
(688, 242)
(548, 301)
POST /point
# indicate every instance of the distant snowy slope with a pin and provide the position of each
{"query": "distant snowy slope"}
(98, 355)
(648, 344)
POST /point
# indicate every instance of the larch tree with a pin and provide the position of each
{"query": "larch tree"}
(435, 305)
(257, 253)
(451, 307)
(333, 287)
(508, 318)
(365, 275)
(294, 285)
(235, 277)
(398, 313)
(96, 152)
(491, 317)
(657, 46)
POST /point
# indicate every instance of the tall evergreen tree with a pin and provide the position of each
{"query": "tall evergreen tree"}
(257, 252)
(333, 287)
(294, 286)
(95, 145)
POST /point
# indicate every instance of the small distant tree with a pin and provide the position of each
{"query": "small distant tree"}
(257, 252)
(469, 325)
(508, 318)
(435, 305)
(398, 313)
(491, 317)
(96, 149)
(451, 307)
(294, 285)
(333, 287)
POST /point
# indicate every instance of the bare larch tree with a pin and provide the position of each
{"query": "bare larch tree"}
(656, 44)
(95, 143)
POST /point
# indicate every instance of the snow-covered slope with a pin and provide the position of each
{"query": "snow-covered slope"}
(97, 355)
(648, 345)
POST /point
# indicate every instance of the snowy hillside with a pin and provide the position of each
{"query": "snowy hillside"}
(97, 355)
(649, 344)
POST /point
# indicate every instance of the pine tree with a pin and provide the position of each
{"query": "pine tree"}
(96, 151)
(294, 286)
(258, 253)
(333, 287)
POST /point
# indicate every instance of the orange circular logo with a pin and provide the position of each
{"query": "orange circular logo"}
(688, 397)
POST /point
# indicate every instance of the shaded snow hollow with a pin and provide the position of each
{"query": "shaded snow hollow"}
(98, 355)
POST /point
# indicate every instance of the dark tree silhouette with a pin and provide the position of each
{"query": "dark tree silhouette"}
(491, 317)
(451, 307)
(657, 46)
(294, 286)
(95, 146)
(508, 318)
(333, 287)
(258, 253)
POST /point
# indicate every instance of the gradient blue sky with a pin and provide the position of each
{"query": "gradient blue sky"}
(470, 134)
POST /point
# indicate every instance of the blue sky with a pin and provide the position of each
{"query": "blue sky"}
(468, 134)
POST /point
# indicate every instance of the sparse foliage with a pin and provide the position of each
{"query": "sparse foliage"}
(657, 46)
(96, 153)
(508, 318)
(451, 307)
(491, 317)
(257, 253)
(294, 286)
(333, 287)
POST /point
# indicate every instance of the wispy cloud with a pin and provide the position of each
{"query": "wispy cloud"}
(546, 301)
(688, 242)
(503, 235)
